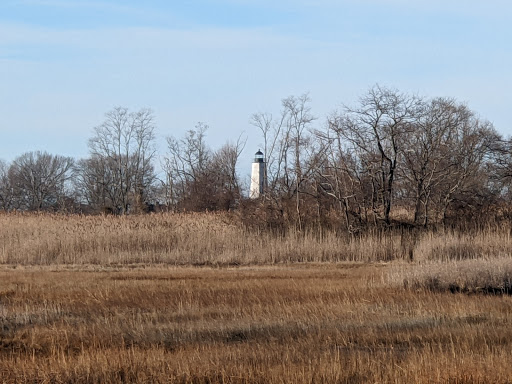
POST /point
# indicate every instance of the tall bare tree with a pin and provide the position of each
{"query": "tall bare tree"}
(287, 145)
(467, 153)
(223, 166)
(123, 149)
(427, 150)
(298, 121)
(340, 177)
(186, 164)
(376, 129)
(275, 148)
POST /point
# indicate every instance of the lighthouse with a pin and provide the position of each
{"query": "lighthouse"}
(257, 176)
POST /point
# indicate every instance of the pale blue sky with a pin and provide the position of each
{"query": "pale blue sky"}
(64, 63)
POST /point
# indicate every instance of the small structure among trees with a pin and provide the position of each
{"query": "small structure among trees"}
(390, 156)
(257, 176)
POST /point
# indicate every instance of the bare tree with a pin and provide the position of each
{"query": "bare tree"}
(39, 180)
(288, 146)
(199, 178)
(298, 120)
(143, 155)
(223, 165)
(468, 151)
(95, 184)
(186, 164)
(340, 177)
(376, 129)
(275, 147)
(427, 149)
(123, 149)
(6, 188)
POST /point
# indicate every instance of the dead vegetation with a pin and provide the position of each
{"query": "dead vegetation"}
(199, 299)
(492, 276)
(315, 323)
(222, 239)
(180, 239)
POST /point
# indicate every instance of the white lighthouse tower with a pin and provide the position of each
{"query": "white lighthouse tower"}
(257, 176)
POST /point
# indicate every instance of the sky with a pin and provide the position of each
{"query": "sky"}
(65, 63)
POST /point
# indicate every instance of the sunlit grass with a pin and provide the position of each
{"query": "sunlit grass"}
(315, 323)
(200, 299)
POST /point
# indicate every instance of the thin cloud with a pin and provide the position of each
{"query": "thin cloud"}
(95, 6)
(76, 4)
(31, 40)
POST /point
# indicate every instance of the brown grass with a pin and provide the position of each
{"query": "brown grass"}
(122, 299)
(316, 323)
(180, 239)
(451, 245)
(490, 276)
(220, 239)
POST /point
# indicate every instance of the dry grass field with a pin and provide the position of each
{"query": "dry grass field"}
(221, 240)
(187, 299)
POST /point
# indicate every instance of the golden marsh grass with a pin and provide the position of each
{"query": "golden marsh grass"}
(302, 324)
(221, 239)
(199, 299)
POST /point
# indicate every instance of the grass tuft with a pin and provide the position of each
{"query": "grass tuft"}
(490, 276)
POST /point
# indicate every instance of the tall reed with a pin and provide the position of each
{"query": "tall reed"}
(220, 239)
(43, 239)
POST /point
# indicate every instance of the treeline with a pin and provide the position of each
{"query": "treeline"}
(391, 156)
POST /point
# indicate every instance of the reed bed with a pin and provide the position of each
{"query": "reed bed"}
(486, 276)
(450, 245)
(199, 298)
(183, 239)
(459, 262)
(221, 239)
